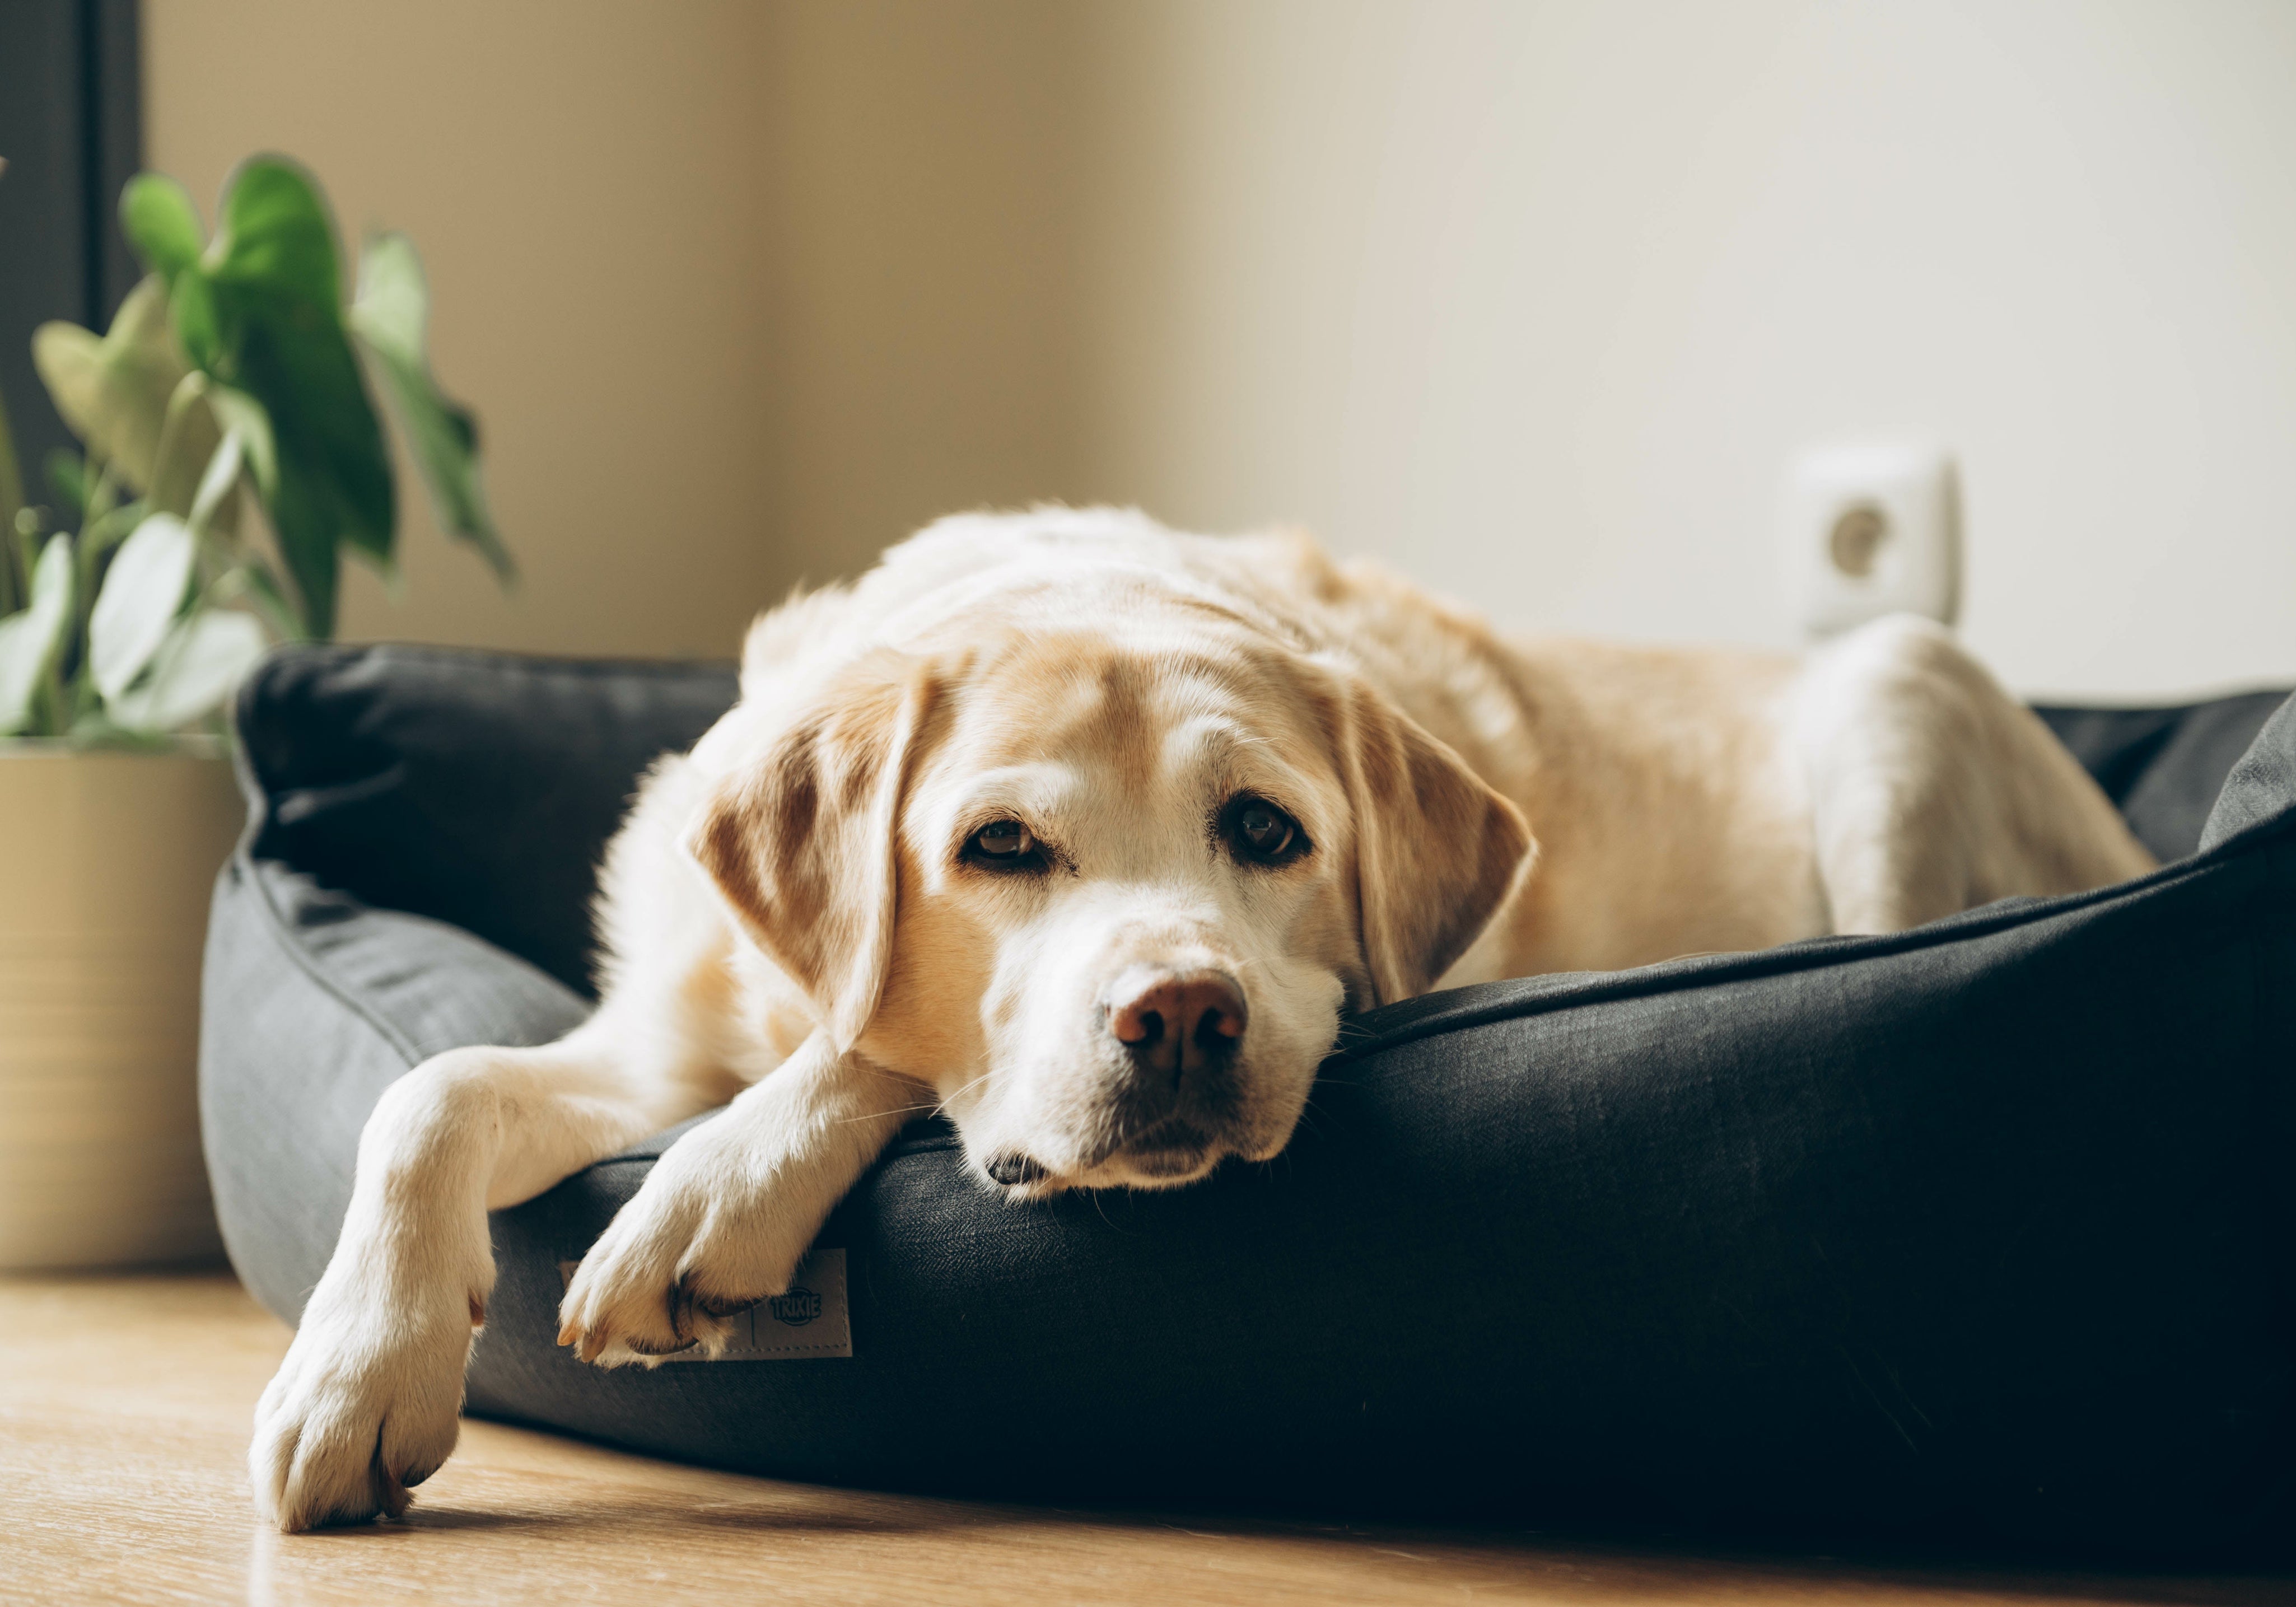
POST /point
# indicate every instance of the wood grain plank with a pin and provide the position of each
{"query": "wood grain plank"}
(124, 1405)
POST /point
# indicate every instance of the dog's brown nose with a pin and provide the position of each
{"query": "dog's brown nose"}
(1177, 1021)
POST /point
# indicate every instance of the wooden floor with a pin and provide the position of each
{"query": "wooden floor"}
(124, 1404)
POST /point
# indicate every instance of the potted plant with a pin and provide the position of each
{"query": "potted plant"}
(230, 455)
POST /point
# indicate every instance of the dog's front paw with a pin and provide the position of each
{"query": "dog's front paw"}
(715, 1230)
(366, 1405)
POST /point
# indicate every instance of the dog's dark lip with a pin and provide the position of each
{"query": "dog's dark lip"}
(1169, 1133)
(1165, 1163)
(1170, 1149)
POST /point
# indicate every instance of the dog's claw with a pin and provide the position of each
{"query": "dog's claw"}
(353, 1420)
(659, 1282)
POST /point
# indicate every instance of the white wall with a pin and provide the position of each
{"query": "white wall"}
(1536, 299)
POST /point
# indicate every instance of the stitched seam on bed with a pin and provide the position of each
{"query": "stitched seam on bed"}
(310, 966)
(894, 1151)
(1762, 963)
(585, 668)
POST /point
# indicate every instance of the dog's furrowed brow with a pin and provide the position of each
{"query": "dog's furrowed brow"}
(1041, 793)
(1209, 742)
(1224, 757)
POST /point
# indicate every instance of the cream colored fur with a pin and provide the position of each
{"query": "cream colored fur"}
(792, 929)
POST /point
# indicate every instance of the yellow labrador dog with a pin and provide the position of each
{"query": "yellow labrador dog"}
(1085, 832)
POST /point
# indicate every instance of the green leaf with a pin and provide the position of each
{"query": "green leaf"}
(157, 215)
(189, 437)
(244, 418)
(217, 481)
(306, 526)
(67, 478)
(92, 549)
(12, 474)
(113, 392)
(198, 326)
(30, 641)
(262, 313)
(142, 591)
(275, 231)
(391, 317)
(11, 503)
(270, 599)
(106, 530)
(196, 669)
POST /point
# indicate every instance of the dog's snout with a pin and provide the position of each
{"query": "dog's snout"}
(1175, 1020)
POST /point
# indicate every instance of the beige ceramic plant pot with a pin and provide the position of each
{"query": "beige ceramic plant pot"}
(106, 864)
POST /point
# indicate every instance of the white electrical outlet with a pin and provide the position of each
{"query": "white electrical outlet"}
(1872, 529)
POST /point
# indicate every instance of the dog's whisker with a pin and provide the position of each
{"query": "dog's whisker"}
(880, 1115)
(941, 1106)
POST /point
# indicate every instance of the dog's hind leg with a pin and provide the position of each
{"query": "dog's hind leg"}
(1932, 790)
(367, 1401)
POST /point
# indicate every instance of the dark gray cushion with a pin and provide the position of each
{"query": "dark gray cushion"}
(1986, 1222)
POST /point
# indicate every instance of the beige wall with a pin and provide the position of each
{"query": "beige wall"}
(741, 291)
(1534, 300)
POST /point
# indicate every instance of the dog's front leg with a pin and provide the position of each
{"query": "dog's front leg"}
(730, 1209)
(367, 1401)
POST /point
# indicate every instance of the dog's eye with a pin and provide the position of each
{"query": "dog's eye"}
(1003, 843)
(1262, 832)
(1005, 840)
(1265, 830)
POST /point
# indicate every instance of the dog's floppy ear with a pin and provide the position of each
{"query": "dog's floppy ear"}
(803, 839)
(1437, 850)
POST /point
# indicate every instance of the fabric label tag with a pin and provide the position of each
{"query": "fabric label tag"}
(811, 1320)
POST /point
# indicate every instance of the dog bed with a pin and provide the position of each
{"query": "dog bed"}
(1987, 1222)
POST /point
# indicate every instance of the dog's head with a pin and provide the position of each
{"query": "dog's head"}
(1107, 894)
